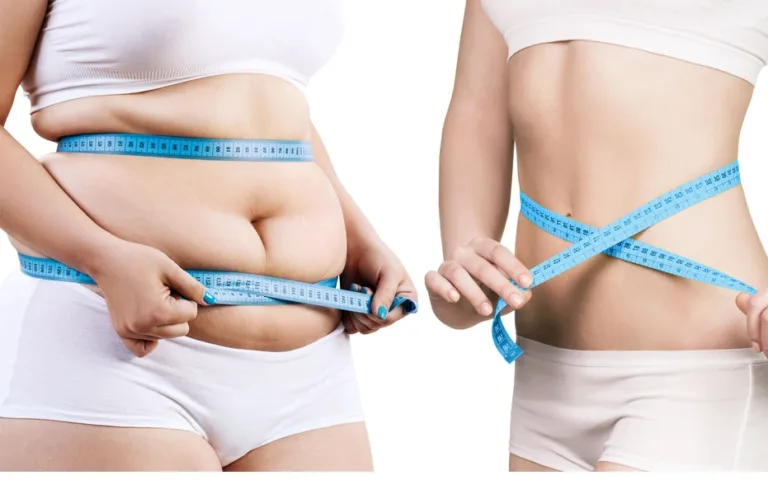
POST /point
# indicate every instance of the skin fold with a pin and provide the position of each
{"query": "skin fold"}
(599, 130)
(135, 223)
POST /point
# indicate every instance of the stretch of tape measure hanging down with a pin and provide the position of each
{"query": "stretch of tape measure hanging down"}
(614, 240)
(229, 288)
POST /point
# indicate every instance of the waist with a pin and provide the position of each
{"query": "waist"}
(609, 303)
(265, 217)
(271, 218)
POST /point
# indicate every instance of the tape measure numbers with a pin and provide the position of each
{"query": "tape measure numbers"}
(229, 288)
(614, 240)
(187, 148)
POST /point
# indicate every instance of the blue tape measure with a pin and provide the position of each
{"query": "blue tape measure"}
(614, 240)
(231, 288)
(187, 148)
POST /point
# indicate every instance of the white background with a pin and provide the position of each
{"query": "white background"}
(436, 399)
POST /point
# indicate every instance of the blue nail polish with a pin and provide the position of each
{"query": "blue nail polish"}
(382, 312)
(355, 287)
(209, 299)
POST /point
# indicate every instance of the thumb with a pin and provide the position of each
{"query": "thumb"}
(742, 301)
(140, 348)
(185, 285)
(384, 296)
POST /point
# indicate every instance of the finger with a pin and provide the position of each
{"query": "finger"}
(504, 260)
(186, 285)
(405, 290)
(369, 323)
(173, 331)
(490, 276)
(764, 332)
(439, 287)
(349, 327)
(366, 320)
(384, 296)
(140, 348)
(742, 301)
(360, 326)
(466, 286)
(177, 311)
(757, 303)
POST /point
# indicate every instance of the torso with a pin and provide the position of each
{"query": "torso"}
(270, 218)
(600, 130)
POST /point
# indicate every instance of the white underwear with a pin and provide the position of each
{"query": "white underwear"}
(696, 410)
(60, 359)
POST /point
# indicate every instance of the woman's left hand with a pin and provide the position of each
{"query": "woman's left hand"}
(376, 267)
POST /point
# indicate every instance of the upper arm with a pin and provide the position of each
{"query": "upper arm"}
(20, 23)
(480, 88)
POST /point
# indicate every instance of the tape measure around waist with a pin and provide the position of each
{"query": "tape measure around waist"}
(614, 240)
(231, 288)
(187, 148)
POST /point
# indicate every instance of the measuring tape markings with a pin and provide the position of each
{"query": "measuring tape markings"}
(229, 288)
(611, 239)
(232, 288)
(630, 250)
(188, 148)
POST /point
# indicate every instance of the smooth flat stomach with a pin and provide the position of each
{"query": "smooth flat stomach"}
(272, 218)
(601, 130)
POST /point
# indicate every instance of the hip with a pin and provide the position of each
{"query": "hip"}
(710, 405)
(61, 360)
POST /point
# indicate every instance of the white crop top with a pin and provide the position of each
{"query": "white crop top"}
(728, 35)
(106, 47)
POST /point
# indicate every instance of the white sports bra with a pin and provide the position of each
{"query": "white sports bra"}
(728, 35)
(97, 47)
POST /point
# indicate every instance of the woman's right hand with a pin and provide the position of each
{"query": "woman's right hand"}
(464, 290)
(142, 286)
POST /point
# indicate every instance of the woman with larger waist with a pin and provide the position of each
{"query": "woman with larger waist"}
(203, 160)
(626, 116)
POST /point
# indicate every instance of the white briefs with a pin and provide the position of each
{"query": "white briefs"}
(60, 359)
(696, 410)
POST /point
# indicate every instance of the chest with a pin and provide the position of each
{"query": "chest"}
(141, 35)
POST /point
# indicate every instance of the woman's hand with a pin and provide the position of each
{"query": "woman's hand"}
(140, 285)
(464, 290)
(756, 310)
(375, 265)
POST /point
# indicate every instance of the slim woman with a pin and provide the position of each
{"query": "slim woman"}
(144, 371)
(611, 104)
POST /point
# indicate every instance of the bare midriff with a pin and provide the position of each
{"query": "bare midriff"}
(273, 218)
(600, 130)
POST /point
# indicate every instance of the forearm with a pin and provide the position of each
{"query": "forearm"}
(359, 229)
(37, 212)
(475, 177)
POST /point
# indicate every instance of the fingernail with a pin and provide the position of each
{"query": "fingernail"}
(355, 287)
(486, 309)
(756, 347)
(382, 312)
(525, 280)
(515, 300)
(454, 296)
(209, 299)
